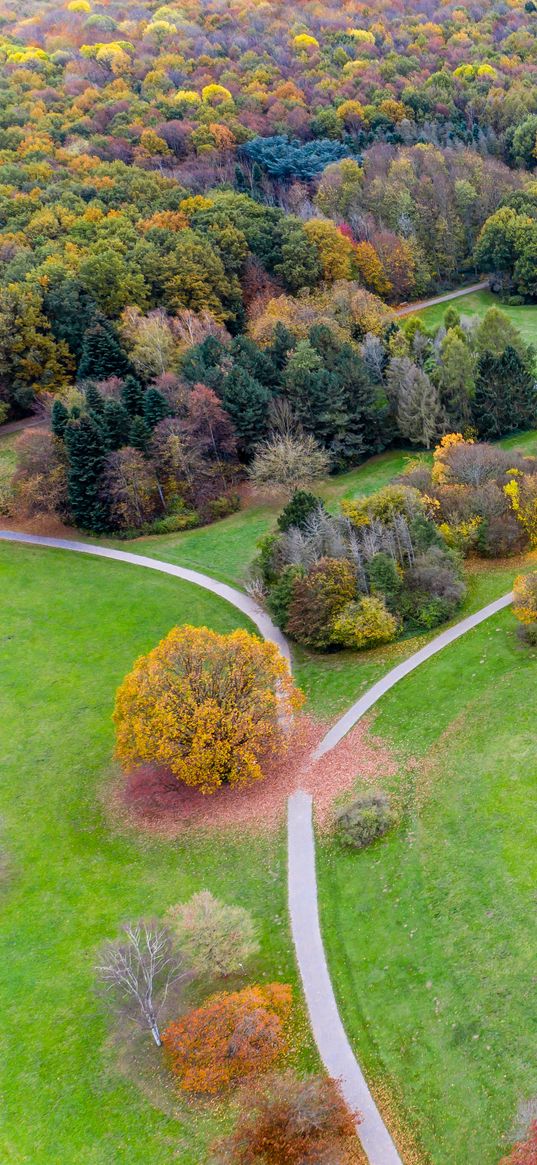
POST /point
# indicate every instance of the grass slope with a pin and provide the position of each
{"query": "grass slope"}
(431, 934)
(70, 629)
(477, 303)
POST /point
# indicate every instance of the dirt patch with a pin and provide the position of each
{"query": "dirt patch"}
(45, 525)
(150, 798)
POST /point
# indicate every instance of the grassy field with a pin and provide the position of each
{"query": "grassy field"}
(524, 317)
(431, 934)
(70, 629)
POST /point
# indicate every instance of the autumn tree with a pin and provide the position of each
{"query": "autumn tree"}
(208, 707)
(284, 1120)
(31, 360)
(130, 488)
(216, 938)
(232, 1036)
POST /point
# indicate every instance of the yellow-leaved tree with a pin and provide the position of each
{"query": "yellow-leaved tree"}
(210, 708)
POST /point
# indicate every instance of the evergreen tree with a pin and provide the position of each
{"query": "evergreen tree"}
(71, 312)
(102, 355)
(155, 407)
(94, 402)
(85, 448)
(201, 364)
(116, 425)
(140, 434)
(59, 418)
(505, 395)
(257, 363)
(283, 342)
(298, 509)
(246, 401)
(455, 378)
(132, 396)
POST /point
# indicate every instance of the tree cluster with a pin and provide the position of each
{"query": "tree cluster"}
(359, 579)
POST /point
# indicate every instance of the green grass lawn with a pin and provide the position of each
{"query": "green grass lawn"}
(477, 303)
(431, 934)
(70, 627)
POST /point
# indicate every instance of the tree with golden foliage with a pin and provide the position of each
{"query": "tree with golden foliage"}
(208, 707)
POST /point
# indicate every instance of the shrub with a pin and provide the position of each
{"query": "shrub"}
(385, 504)
(524, 1152)
(187, 520)
(232, 1036)
(318, 598)
(366, 623)
(433, 587)
(288, 1121)
(283, 462)
(208, 707)
(281, 595)
(525, 599)
(224, 506)
(216, 939)
(368, 818)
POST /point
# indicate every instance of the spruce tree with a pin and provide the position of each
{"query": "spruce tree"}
(59, 418)
(116, 425)
(94, 402)
(140, 434)
(155, 407)
(246, 401)
(257, 363)
(132, 396)
(85, 448)
(102, 355)
(283, 342)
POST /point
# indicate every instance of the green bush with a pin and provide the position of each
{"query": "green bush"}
(365, 820)
(281, 595)
(222, 507)
(172, 523)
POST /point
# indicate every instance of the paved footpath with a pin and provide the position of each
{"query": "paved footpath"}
(334, 1047)
(410, 308)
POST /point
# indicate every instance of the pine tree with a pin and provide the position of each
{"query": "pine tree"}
(59, 418)
(420, 416)
(155, 407)
(102, 355)
(140, 434)
(116, 425)
(246, 401)
(505, 397)
(132, 396)
(86, 453)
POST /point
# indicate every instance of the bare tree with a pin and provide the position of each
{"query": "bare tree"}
(139, 968)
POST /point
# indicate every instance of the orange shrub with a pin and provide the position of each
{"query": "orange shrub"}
(232, 1036)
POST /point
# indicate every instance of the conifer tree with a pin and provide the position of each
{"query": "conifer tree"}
(155, 407)
(116, 425)
(140, 434)
(86, 453)
(59, 418)
(246, 401)
(102, 355)
(132, 396)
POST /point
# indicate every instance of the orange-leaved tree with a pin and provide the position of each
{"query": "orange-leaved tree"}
(210, 708)
(232, 1036)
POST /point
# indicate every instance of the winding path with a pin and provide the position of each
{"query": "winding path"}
(332, 1042)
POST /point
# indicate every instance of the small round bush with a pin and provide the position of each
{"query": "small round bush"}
(365, 820)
